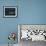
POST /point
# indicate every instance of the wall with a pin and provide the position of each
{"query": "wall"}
(32, 11)
(29, 12)
(7, 25)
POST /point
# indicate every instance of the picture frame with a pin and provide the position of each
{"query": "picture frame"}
(41, 28)
(10, 11)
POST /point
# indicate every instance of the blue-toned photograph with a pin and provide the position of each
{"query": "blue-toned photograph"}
(22, 22)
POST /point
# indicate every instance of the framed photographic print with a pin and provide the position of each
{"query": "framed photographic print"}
(10, 11)
(33, 32)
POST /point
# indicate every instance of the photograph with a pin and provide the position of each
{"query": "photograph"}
(10, 11)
